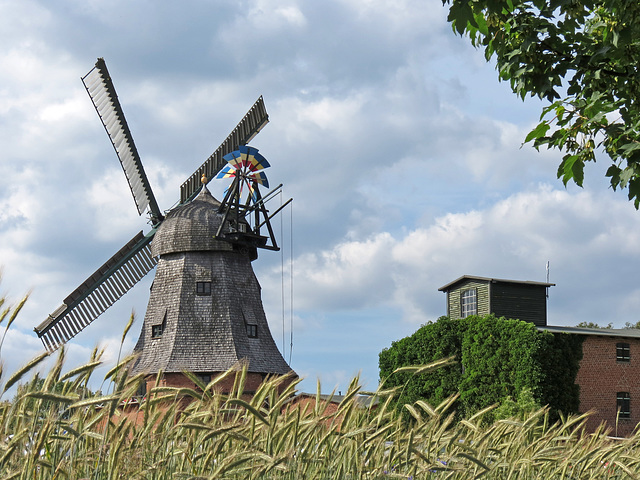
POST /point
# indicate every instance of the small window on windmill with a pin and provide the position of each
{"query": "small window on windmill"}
(158, 329)
(252, 330)
(142, 389)
(203, 288)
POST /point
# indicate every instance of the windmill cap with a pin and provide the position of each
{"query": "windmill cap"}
(191, 227)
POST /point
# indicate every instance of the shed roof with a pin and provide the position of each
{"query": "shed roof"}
(605, 332)
(448, 286)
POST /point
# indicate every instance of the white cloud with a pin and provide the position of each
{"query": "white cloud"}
(112, 207)
(347, 276)
(24, 21)
(269, 15)
(399, 17)
(510, 239)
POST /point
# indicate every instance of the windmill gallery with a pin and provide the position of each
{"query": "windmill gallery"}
(205, 313)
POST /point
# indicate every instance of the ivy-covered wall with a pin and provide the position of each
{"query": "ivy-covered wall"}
(431, 342)
(496, 358)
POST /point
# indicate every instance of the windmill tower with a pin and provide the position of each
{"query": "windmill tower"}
(205, 313)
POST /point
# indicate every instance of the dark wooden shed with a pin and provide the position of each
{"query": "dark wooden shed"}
(523, 300)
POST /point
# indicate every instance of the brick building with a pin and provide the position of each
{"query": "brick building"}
(609, 376)
(609, 373)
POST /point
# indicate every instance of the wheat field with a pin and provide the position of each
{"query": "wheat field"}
(54, 427)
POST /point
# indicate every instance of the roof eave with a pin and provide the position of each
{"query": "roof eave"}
(448, 286)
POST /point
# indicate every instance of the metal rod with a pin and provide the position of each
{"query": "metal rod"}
(276, 212)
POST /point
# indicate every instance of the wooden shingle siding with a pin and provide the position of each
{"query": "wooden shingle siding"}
(204, 332)
(482, 289)
(520, 301)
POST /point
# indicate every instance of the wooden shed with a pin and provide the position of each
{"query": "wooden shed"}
(523, 300)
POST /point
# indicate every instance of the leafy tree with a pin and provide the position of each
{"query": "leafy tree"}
(582, 57)
(559, 357)
(627, 325)
(593, 325)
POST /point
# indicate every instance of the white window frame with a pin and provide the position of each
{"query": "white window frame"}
(468, 302)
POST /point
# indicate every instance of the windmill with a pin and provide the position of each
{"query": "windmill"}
(220, 266)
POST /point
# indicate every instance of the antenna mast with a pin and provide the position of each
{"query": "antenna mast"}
(547, 278)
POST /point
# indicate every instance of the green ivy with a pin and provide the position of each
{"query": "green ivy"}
(499, 357)
(521, 408)
(431, 342)
(496, 359)
(559, 358)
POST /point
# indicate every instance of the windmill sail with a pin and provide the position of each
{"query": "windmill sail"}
(249, 126)
(103, 95)
(101, 290)
(132, 262)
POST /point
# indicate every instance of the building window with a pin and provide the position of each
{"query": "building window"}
(623, 403)
(469, 302)
(142, 389)
(623, 352)
(157, 330)
(204, 377)
(203, 288)
(252, 330)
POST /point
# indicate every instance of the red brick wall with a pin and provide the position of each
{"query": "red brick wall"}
(306, 404)
(600, 378)
(178, 380)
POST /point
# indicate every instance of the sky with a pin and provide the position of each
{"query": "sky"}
(401, 150)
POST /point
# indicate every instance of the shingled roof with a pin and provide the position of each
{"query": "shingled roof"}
(204, 333)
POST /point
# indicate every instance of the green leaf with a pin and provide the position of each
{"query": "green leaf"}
(577, 170)
(627, 148)
(250, 408)
(566, 169)
(614, 173)
(95, 401)
(634, 191)
(482, 24)
(461, 16)
(539, 131)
